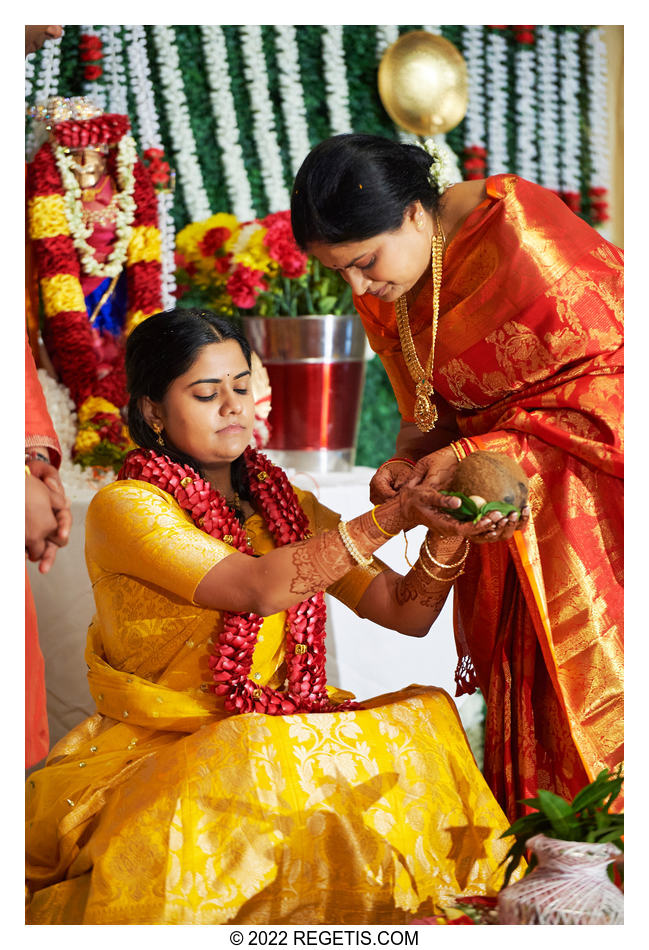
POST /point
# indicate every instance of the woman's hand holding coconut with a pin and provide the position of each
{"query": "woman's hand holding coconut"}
(482, 479)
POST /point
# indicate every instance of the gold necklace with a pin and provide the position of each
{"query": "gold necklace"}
(425, 409)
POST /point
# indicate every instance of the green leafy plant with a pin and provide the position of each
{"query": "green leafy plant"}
(587, 818)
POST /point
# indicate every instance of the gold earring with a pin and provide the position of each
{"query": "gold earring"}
(420, 222)
(158, 431)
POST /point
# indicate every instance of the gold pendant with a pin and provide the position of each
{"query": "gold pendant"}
(425, 410)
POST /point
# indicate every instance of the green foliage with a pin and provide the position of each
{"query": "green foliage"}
(469, 511)
(380, 420)
(586, 818)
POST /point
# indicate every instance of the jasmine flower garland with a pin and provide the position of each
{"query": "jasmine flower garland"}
(548, 106)
(222, 103)
(263, 120)
(335, 76)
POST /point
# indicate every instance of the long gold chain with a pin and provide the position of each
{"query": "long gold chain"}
(425, 409)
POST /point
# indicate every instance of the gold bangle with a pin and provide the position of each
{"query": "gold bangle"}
(27, 470)
(453, 563)
(444, 580)
(382, 530)
(456, 451)
(351, 547)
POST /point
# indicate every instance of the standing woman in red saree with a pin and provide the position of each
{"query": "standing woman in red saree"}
(507, 338)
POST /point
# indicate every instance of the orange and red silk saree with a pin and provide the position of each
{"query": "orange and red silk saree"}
(529, 357)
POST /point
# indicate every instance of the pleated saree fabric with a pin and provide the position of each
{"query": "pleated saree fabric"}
(529, 361)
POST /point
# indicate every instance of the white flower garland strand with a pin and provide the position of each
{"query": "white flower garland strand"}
(525, 111)
(114, 72)
(548, 106)
(149, 135)
(473, 46)
(182, 137)
(46, 85)
(167, 248)
(597, 109)
(222, 102)
(93, 88)
(335, 76)
(263, 128)
(496, 68)
(292, 98)
(142, 88)
(570, 150)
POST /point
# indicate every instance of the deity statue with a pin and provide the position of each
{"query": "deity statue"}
(93, 224)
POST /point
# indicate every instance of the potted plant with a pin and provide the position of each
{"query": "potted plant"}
(571, 844)
(300, 320)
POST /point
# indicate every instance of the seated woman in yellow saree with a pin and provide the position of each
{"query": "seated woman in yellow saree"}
(167, 806)
(507, 337)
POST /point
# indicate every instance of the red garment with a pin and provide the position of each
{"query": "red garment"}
(529, 357)
(39, 431)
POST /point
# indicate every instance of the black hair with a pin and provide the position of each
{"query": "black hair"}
(158, 351)
(352, 187)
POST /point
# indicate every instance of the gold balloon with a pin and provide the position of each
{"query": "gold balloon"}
(423, 83)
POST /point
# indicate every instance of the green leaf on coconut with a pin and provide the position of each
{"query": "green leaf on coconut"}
(469, 511)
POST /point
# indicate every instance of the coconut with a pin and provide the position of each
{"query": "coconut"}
(488, 478)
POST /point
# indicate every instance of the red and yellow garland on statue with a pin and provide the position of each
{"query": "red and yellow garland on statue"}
(67, 333)
(305, 688)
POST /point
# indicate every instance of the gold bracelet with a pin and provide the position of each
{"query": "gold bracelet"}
(27, 470)
(456, 451)
(452, 564)
(351, 547)
(444, 580)
(382, 530)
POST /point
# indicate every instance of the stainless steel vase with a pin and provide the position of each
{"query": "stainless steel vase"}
(316, 366)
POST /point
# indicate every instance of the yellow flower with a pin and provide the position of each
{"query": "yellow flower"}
(47, 217)
(134, 317)
(94, 404)
(86, 441)
(144, 245)
(62, 293)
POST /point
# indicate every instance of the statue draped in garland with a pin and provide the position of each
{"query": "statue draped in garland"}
(93, 222)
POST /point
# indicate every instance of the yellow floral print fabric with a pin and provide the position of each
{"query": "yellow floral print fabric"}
(163, 808)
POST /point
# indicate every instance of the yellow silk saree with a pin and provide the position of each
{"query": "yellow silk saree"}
(163, 808)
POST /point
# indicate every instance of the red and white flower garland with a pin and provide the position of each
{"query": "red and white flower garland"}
(475, 132)
(232, 659)
(69, 338)
(152, 147)
(497, 102)
(598, 125)
(526, 140)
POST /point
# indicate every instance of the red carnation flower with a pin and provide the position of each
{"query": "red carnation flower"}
(90, 55)
(92, 72)
(244, 286)
(222, 264)
(213, 240)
